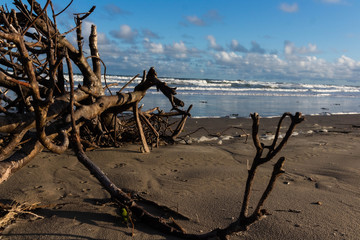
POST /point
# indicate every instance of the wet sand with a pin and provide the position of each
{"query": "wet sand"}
(203, 178)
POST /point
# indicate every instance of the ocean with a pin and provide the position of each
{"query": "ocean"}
(238, 98)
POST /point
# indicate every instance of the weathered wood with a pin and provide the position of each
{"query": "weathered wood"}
(140, 128)
(244, 220)
(32, 69)
(42, 79)
(116, 193)
(19, 159)
(148, 123)
(181, 124)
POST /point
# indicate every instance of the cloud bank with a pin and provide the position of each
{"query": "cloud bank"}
(232, 60)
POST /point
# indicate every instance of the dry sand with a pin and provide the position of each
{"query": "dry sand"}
(317, 198)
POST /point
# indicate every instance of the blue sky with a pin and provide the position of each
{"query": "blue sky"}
(271, 40)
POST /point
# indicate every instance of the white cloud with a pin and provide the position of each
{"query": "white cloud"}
(153, 47)
(256, 48)
(212, 43)
(175, 50)
(291, 49)
(179, 47)
(178, 59)
(195, 20)
(272, 67)
(290, 8)
(237, 47)
(125, 33)
(223, 57)
(348, 62)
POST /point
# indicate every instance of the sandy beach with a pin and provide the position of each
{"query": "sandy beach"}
(203, 178)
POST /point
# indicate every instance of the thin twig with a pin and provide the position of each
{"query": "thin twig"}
(39, 15)
(64, 9)
(128, 83)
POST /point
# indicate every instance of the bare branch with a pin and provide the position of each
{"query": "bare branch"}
(127, 84)
(64, 9)
(278, 170)
(94, 52)
(140, 128)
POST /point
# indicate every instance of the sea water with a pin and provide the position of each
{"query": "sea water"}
(238, 98)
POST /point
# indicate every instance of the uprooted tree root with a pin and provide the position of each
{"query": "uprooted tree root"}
(37, 112)
(35, 105)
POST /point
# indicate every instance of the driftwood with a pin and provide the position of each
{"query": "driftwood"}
(37, 112)
(244, 220)
(34, 99)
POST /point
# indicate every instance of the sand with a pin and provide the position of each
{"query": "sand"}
(317, 198)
